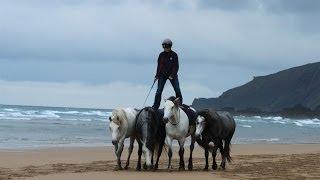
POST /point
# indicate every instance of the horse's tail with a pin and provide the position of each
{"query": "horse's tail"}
(227, 147)
(156, 149)
(228, 150)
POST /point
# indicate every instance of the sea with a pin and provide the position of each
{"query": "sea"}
(32, 127)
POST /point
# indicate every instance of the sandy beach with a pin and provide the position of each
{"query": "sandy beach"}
(261, 161)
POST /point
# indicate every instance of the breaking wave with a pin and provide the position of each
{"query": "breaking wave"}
(277, 120)
(49, 114)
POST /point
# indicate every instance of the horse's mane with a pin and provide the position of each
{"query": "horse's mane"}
(150, 109)
(211, 116)
(171, 98)
(144, 109)
(120, 116)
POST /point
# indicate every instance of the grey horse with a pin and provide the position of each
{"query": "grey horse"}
(216, 127)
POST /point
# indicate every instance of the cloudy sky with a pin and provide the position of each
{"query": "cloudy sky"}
(102, 53)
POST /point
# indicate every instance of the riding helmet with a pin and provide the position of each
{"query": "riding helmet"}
(167, 43)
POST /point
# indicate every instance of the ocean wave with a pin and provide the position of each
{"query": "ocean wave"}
(10, 110)
(63, 114)
(276, 118)
(307, 122)
(73, 115)
(97, 113)
(50, 114)
(246, 126)
(87, 113)
(258, 139)
(267, 139)
(245, 120)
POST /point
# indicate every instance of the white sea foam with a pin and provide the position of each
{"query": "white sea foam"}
(307, 122)
(273, 118)
(67, 112)
(97, 113)
(246, 126)
(50, 114)
(267, 139)
(245, 120)
(10, 110)
(71, 115)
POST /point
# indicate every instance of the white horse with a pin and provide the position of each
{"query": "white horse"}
(122, 125)
(177, 128)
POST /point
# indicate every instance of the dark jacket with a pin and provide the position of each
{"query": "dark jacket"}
(168, 64)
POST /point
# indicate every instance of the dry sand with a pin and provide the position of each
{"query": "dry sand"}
(257, 161)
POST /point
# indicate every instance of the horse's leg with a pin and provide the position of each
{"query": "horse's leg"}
(118, 153)
(214, 154)
(152, 153)
(169, 145)
(158, 155)
(181, 154)
(193, 139)
(129, 152)
(206, 155)
(139, 156)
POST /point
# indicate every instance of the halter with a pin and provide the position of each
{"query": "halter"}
(177, 120)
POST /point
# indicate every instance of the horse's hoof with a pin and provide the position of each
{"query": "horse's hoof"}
(205, 169)
(145, 167)
(190, 167)
(214, 166)
(154, 169)
(126, 168)
(118, 168)
(181, 168)
(138, 168)
(223, 167)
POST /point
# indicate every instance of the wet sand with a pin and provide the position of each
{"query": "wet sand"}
(255, 161)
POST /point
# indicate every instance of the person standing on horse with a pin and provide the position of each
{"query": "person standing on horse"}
(168, 67)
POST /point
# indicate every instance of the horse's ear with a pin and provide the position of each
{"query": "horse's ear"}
(177, 102)
(110, 118)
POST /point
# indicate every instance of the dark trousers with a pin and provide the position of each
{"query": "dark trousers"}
(161, 82)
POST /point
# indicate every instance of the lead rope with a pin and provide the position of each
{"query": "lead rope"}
(148, 94)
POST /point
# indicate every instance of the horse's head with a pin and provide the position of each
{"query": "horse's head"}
(115, 125)
(200, 125)
(171, 107)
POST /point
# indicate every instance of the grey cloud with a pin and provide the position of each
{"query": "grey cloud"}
(131, 31)
(292, 6)
(271, 6)
(231, 5)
